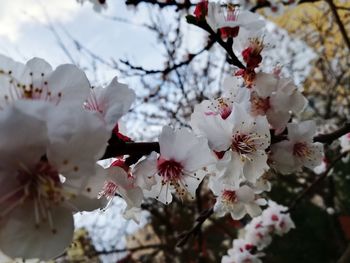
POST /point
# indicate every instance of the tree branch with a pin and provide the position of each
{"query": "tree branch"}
(339, 22)
(233, 60)
(330, 137)
(184, 237)
(169, 69)
(185, 5)
(133, 249)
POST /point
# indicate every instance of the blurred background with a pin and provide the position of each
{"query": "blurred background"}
(172, 66)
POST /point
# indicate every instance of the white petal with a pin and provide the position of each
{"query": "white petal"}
(255, 168)
(113, 101)
(253, 209)
(238, 211)
(301, 132)
(20, 238)
(282, 156)
(213, 127)
(145, 170)
(71, 82)
(23, 139)
(76, 140)
(160, 192)
(245, 194)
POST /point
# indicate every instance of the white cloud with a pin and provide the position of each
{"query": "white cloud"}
(14, 14)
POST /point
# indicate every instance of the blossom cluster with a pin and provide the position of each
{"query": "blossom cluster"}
(255, 106)
(258, 233)
(57, 127)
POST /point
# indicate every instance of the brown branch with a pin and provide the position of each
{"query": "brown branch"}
(133, 249)
(215, 36)
(116, 147)
(185, 5)
(330, 137)
(319, 179)
(169, 69)
(339, 22)
(184, 237)
(130, 148)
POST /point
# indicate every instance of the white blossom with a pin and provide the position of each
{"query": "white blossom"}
(236, 200)
(243, 137)
(66, 85)
(182, 154)
(299, 150)
(276, 98)
(111, 102)
(47, 172)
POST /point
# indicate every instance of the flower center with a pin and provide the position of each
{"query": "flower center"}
(38, 89)
(109, 190)
(301, 150)
(232, 12)
(41, 182)
(170, 170)
(252, 54)
(229, 196)
(92, 103)
(220, 106)
(243, 144)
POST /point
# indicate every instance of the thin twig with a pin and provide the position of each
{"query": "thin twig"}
(184, 237)
(330, 137)
(339, 22)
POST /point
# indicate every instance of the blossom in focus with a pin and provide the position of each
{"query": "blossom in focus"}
(47, 173)
(111, 102)
(276, 98)
(182, 154)
(299, 150)
(250, 44)
(120, 182)
(243, 138)
(223, 106)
